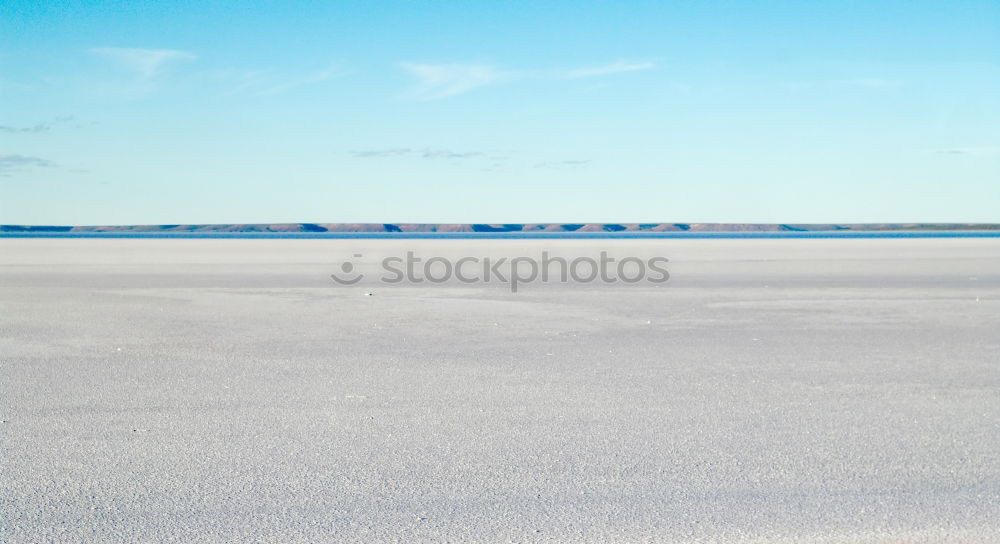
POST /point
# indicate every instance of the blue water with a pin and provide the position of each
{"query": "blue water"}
(510, 235)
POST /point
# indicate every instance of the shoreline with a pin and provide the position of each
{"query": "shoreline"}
(624, 235)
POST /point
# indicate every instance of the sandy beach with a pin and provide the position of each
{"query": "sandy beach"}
(230, 391)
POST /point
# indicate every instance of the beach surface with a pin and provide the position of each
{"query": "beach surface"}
(771, 391)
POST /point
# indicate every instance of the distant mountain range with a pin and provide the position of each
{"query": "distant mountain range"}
(512, 227)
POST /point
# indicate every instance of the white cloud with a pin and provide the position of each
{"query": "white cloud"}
(443, 80)
(146, 62)
(617, 67)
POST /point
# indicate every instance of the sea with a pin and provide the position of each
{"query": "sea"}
(513, 235)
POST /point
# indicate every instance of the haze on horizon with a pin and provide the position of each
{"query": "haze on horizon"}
(480, 112)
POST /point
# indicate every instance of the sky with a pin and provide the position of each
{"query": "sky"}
(265, 111)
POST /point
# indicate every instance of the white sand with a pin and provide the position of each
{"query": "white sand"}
(229, 391)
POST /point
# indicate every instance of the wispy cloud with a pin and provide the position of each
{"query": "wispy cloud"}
(13, 163)
(872, 83)
(13, 86)
(268, 83)
(394, 152)
(419, 153)
(484, 161)
(984, 150)
(617, 67)
(436, 81)
(562, 164)
(145, 62)
(448, 154)
(40, 127)
(317, 76)
(37, 127)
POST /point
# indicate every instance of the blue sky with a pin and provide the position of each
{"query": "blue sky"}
(276, 111)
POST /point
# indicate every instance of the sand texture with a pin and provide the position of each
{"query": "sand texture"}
(230, 391)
